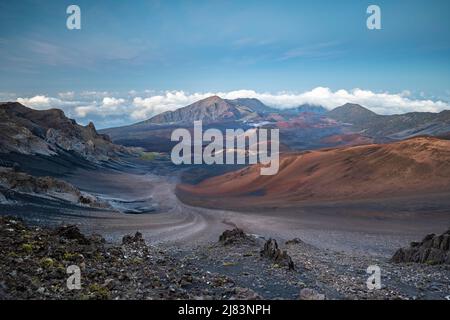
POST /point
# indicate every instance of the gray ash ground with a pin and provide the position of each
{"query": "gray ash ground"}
(33, 263)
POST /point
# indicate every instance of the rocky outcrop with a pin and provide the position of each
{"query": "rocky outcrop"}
(71, 232)
(433, 249)
(47, 132)
(49, 187)
(131, 240)
(34, 264)
(280, 257)
(235, 236)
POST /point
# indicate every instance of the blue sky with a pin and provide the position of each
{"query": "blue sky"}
(141, 49)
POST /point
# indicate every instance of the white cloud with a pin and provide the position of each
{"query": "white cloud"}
(95, 94)
(67, 95)
(112, 102)
(171, 100)
(383, 103)
(143, 105)
(83, 111)
(41, 102)
(109, 106)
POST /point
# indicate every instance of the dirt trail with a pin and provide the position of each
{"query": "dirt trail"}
(173, 222)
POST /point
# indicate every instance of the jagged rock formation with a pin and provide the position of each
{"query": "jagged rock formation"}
(46, 132)
(13, 181)
(136, 239)
(71, 232)
(274, 253)
(433, 249)
(34, 263)
(234, 236)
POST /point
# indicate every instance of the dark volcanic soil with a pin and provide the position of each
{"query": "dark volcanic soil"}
(341, 239)
(34, 262)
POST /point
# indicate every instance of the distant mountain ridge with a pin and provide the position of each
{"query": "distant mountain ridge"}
(397, 126)
(214, 109)
(303, 127)
(45, 132)
(208, 110)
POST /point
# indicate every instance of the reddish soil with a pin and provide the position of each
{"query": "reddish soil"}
(414, 166)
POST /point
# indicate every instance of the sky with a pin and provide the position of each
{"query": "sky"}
(133, 59)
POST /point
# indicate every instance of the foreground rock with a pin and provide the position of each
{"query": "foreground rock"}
(235, 236)
(279, 256)
(34, 262)
(71, 233)
(432, 249)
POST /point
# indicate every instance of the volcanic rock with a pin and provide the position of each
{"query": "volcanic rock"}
(234, 236)
(48, 132)
(433, 249)
(274, 253)
(20, 182)
(136, 239)
(71, 232)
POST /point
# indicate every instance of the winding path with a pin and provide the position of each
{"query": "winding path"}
(175, 223)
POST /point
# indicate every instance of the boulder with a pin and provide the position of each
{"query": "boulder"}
(131, 240)
(71, 233)
(433, 249)
(280, 257)
(234, 236)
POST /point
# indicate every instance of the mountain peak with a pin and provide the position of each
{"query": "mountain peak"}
(352, 113)
(354, 107)
(209, 109)
(213, 99)
(213, 109)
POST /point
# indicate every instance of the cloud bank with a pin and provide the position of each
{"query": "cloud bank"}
(108, 109)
